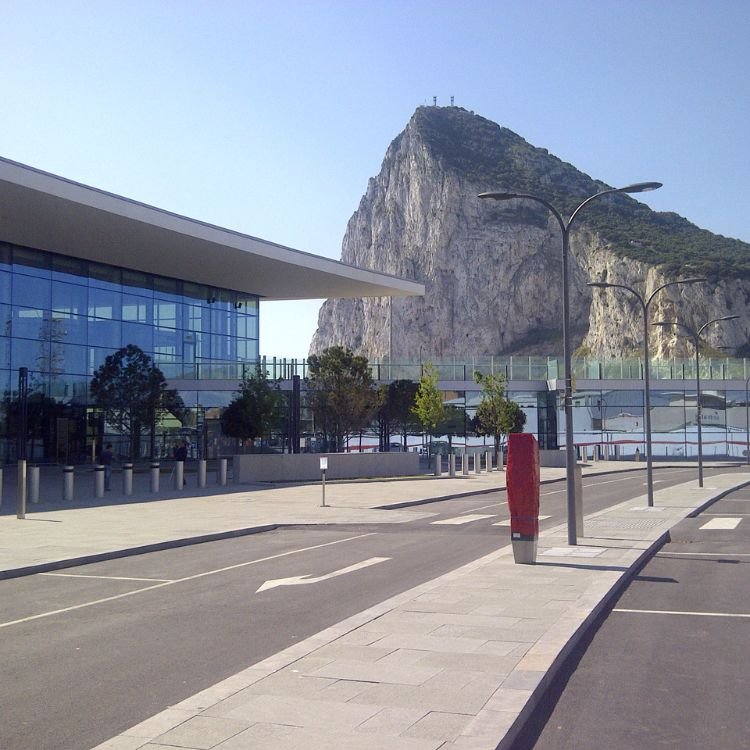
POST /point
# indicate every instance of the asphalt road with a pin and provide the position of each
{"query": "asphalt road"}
(669, 666)
(88, 652)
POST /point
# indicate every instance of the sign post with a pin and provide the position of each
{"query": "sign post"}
(323, 469)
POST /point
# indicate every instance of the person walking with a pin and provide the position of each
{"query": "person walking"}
(106, 457)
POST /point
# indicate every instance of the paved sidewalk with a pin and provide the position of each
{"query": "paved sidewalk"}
(456, 663)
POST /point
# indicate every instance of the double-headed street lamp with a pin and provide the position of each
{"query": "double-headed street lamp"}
(570, 454)
(646, 367)
(696, 337)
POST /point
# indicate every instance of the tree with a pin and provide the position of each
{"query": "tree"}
(341, 393)
(496, 414)
(428, 403)
(254, 410)
(398, 407)
(132, 392)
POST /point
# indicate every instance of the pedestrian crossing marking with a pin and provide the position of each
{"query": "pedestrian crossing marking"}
(461, 520)
(724, 524)
(506, 522)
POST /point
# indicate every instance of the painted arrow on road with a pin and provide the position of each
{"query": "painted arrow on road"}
(298, 580)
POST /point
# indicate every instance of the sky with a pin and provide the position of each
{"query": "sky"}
(270, 117)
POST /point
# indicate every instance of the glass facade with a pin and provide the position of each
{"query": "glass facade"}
(60, 317)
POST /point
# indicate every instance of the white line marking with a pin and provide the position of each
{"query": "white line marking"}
(178, 580)
(299, 580)
(726, 514)
(724, 524)
(673, 612)
(461, 519)
(507, 521)
(107, 578)
(484, 507)
(704, 554)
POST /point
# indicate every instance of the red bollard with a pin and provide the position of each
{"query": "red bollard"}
(522, 478)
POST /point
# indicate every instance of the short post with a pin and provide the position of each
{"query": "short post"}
(478, 462)
(465, 462)
(202, 473)
(154, 470)
(21, 497)
(488, 456)
(179, 474)
(452, 465)
(500, 459)
(437, 468)
(68, 479)
(34, 484)
(99, 480)
(323, 469)
(221, 474)
(617, 452)
(127, 479)
(579, 501)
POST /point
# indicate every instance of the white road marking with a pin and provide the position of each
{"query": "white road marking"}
(461, 519)
(299, 580)
(675, 612)
(107, 578)
(704, 554)
(724, 524)
(506, 522)
(726, 514)
(484, 507)
(63, 610)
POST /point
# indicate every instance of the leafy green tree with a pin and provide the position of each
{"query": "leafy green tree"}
(254, 411)
(496, 414)
(132, 392)
(428, 403)
(398, 407)
(341, 393)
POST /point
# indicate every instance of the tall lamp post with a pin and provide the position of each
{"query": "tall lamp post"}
(747, 422)
(696, 337)
(570, 451)
(645, 304)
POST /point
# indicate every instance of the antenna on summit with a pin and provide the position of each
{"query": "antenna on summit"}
(434, 101)
(451, 101)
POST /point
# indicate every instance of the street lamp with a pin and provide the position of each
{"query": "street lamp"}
(570, 454)
(696, 337)
(747, 422)
(646, 368)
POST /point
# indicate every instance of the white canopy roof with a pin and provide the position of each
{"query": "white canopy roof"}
(41, 210)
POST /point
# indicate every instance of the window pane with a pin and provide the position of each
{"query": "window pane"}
(140, 281)
(139, 335)
(69, 298)
(165, 314)
(105, 333)
(105, 303)
(104, 277)
(136, 309)
(32, 262)
(31, 290)
(28, 322)
(69, 269)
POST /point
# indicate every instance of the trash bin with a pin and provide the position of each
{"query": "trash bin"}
(522, 478)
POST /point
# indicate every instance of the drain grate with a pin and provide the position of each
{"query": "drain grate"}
(622, 523)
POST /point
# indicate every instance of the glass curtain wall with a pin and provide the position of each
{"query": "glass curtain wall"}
(60, 317)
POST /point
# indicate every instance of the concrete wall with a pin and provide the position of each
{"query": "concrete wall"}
(552, 459)
(305, 467)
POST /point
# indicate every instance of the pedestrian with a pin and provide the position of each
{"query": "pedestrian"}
(106, 457)
(181, 454)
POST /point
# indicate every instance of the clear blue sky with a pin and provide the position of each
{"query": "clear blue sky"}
(269, 117)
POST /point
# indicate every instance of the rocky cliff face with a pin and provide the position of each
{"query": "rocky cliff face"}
(492, 270)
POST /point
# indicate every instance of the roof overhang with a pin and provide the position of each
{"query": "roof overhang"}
(43, 211)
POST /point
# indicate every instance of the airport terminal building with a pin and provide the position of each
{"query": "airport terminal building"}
(84, 272)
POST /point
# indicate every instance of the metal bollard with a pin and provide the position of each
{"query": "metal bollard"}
(488, 461)
(202, 473)
(477, 463)
(154, 469)
(465, 462)
(34, 484)
(68, 475)
(179, 475)
(21, 496)
(437, 463)
(500, 459)
(99, 480)
(221, 474)
(127, 479)
(452, 465)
